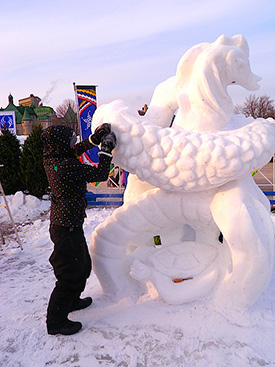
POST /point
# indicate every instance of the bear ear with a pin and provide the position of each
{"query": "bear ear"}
(237, 41)
(240, 42)
(223, 40)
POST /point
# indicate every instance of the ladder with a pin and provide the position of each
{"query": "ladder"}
(6, 206)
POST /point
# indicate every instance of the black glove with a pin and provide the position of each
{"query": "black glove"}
(108, 143)
(100, 133)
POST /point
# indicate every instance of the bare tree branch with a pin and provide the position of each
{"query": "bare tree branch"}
(62, 109)
(66, 114)
(262, 106)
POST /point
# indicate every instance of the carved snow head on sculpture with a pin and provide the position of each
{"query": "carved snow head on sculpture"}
(202, 77)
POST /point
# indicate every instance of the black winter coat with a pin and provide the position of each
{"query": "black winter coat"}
(67, 176)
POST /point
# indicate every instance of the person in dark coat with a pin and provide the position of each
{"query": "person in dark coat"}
(67, 179)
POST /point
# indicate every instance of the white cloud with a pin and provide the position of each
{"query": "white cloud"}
(62, 27)
(118, 44)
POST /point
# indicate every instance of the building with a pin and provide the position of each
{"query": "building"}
(46, 116)
(30, 101)
(22, 126)
(29, 113)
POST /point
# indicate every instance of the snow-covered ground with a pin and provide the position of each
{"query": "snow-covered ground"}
(130, 332)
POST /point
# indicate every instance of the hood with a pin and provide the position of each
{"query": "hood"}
(56, 142)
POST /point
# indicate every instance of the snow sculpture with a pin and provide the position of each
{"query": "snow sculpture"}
(189, 184)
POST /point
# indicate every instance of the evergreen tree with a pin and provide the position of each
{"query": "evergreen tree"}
(10, 152)
(31, 163)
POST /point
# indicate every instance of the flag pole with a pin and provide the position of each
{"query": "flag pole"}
(77, 111)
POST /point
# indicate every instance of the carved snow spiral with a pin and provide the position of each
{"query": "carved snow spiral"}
(180, 160)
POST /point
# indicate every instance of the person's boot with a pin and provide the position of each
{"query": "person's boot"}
(67, 327)
(81, 303)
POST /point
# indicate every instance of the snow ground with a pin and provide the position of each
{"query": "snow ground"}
(130, 332)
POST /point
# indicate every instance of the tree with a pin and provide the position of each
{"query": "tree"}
(10, 153)
(66, 113)
(62, 109)
(261, 106)
(31, 164)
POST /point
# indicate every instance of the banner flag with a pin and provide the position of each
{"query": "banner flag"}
(86, 105)
(7, 120)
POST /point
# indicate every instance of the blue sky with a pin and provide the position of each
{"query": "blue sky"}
(126, 47)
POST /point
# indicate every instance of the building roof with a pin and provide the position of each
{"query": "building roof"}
(12, 107)
(70, 116)
(26, 116)
(30, 110)
(43, 117)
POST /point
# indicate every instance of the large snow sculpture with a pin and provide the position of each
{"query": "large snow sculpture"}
(189, 183)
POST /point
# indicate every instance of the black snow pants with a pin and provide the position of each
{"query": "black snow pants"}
(72, 266)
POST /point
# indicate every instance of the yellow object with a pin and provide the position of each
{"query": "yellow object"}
(157, 240)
